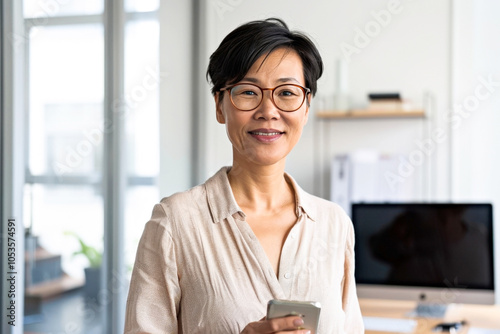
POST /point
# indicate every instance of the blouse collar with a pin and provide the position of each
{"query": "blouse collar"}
(223, 204)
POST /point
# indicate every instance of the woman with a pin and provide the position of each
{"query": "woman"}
(212, 257)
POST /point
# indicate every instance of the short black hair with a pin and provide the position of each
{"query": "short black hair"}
(244, 45)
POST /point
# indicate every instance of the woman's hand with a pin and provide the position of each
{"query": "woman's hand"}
(288, 325)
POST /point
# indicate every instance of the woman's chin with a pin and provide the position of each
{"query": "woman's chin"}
(262, 161)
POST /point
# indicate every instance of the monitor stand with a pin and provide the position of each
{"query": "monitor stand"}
(429, 310)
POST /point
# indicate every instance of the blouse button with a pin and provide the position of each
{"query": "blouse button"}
(288, 275)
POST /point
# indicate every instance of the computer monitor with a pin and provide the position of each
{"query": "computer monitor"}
(435, 253)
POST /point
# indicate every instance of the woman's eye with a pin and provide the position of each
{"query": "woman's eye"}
(245, 93)
(287, 93)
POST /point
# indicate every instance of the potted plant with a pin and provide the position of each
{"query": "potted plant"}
(93, 271)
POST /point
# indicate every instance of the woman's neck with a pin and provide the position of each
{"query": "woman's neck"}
(261, 188)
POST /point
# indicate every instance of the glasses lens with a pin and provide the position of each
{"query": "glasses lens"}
(246, 97)
(288, 97)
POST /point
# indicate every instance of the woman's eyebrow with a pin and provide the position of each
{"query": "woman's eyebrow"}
(254, 80)
(280, 80)
(287, 80)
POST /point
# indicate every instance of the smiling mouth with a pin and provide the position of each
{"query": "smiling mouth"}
(258, 133)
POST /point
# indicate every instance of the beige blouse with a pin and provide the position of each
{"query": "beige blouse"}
(200, 268)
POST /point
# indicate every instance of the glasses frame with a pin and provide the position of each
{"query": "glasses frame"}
(230, 88)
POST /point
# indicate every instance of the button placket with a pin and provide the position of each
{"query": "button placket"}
(286, 273)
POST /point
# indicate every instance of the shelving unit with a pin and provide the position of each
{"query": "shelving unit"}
(365, 113)
(324, 138)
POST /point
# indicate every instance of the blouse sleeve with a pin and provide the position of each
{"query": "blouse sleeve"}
(154, 295)
(350, 304)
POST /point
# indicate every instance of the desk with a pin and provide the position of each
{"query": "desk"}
(482, 316)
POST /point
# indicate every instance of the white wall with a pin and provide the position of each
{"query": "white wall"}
(410, 54)
(476, 145)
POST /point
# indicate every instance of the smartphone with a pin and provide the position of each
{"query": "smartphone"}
(309, 311)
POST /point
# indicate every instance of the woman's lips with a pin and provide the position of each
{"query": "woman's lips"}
(266, 135)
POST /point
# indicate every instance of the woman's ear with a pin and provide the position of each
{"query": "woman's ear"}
(308, 99)
(218, 109)
(308, 105)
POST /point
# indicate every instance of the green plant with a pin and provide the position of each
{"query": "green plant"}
(91, 253)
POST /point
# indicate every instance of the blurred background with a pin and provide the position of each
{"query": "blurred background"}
(106, 109)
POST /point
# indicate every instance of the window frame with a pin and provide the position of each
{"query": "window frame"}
(11, 164)
(49, 179)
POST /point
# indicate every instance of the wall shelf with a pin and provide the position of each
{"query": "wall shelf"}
(365, 114)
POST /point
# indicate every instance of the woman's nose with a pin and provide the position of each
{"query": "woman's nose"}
(267, 109)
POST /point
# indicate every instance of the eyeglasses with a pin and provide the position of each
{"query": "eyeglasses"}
(287, 97)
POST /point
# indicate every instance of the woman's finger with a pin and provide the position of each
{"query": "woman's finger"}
(287, 325)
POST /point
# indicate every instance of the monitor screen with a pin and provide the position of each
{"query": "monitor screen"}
(443, 246)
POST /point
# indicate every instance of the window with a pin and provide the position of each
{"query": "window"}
(64, 198)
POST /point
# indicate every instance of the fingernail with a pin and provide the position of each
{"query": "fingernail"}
(308, 332)
(298, 322)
